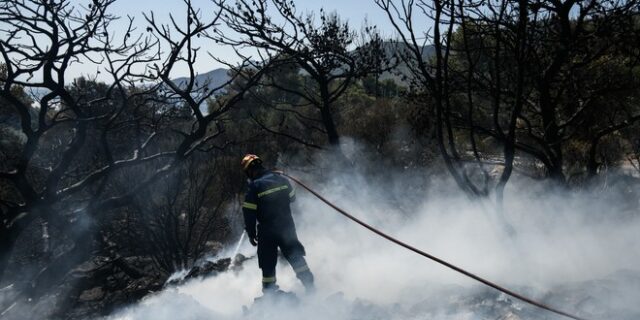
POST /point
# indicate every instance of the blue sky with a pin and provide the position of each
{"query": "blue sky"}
(354, 11)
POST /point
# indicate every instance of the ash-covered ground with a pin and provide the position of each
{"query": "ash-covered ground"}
(576, 251)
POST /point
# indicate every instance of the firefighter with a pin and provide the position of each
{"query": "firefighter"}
(267, 205)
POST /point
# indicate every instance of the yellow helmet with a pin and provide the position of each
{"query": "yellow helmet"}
(248, 160)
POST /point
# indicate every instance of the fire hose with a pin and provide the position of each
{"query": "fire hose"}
(434, 258)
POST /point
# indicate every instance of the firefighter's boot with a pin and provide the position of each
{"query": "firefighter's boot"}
(269, 285)
(306, 277)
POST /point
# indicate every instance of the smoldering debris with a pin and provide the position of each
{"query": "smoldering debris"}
(602, 299)
(573, 251)
(208, 268)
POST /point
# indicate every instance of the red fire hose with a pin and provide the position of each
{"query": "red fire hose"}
(436, 259)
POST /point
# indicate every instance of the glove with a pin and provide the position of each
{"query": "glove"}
(253, 240)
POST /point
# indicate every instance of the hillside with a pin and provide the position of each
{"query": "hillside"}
(214, 79)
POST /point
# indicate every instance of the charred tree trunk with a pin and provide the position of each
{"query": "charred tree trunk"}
(9, 234)
(509, 150)
(551, 135)
(592, 162)
(327, 116)
(8, 238)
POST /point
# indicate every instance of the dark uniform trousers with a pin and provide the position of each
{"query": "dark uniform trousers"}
(292, 250)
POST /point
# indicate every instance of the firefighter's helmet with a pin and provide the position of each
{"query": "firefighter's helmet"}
(249, 160)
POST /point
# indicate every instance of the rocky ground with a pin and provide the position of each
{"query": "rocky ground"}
(98, 287)
(613, 297)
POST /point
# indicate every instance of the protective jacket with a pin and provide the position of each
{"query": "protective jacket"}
(267, 203)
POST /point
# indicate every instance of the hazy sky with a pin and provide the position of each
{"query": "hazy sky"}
(356, 12)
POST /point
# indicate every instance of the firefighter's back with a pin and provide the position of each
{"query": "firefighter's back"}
(274, 194)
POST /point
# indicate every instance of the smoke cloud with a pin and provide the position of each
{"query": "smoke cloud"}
(579, 252)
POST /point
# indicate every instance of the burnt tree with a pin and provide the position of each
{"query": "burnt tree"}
(326, 52)
(81, 138)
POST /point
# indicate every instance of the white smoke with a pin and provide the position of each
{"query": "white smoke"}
(571, 250)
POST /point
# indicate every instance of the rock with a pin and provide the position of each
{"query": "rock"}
(212, 248)
(141, 287)
(92, 294)
(238, 261)
(509, 316)
(144, 264)
(209, 268)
